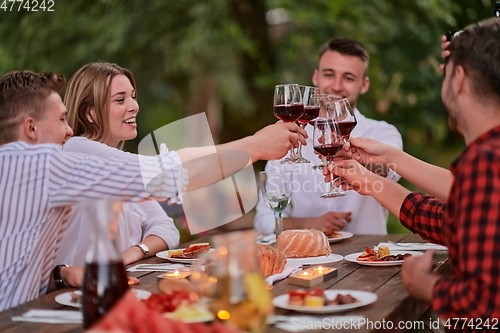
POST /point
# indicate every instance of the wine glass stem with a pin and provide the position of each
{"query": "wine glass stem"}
(278, 217)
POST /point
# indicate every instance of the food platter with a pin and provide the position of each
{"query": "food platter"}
(66, 299)
(352, 258)
(364, 298)
(342, 235)
(165, 255)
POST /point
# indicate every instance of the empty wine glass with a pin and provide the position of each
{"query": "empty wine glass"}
(288, 107)
(311, 112)
(276, 188)
(344, 115)
(327, 141)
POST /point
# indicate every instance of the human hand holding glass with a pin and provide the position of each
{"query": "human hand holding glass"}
(276, 188)
(288, 107)
(327, 141)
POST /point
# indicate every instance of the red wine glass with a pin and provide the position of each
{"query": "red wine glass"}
(344, 114)
(327, 141)
(311, 112)
(288, 107)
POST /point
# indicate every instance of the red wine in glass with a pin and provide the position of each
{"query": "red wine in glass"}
(346, 128)
(104, 284)
(328, 150)
(310, 113)
(289, 113)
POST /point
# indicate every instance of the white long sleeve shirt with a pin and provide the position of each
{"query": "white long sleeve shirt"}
(368, 216)
(39, 184)
(137, 220)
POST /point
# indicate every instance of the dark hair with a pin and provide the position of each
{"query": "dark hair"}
(477, 50)
(23, 94)
(345, 46)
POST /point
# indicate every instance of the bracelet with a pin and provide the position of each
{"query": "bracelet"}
(56, 274)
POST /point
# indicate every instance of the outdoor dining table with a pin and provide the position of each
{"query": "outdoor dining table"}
(394, 307)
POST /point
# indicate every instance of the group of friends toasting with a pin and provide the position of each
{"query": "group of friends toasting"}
(54, 155)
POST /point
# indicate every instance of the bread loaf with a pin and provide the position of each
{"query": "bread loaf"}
(270, 260)
(300, 243)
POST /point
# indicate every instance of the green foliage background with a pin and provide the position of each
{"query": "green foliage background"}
(221, 57)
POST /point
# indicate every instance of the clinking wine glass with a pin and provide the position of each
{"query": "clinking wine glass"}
(311, 112)
(326, 112)
(344, 115)
(327, 141)
(276, 188)
(288, 107)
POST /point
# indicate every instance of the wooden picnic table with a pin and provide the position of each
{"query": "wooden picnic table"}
(393, 307)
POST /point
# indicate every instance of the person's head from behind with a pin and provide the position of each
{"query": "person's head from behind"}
(342, 69)
(472, 73)
(31, 109)
(101, 102)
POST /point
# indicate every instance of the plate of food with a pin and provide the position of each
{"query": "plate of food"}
(315, 260)
(181, 305)
(74, 298)
(336, 236)
(187, 255)
(324, 301)
(380, 257)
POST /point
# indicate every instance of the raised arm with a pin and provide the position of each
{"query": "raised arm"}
(430, 178)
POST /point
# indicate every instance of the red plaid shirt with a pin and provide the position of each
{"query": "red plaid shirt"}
(469, 225)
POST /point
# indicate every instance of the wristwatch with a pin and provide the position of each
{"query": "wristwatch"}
(56, 274)
(144, 248)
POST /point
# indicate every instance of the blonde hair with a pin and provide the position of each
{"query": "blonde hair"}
(88, 89)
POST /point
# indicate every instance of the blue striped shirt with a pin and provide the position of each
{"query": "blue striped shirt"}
(39, 184)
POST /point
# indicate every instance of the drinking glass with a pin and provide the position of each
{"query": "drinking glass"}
(326, 112)
(276, 188)
(327, 141)
(311, 112)
(344, 114)
(288, 107)
(230, 278)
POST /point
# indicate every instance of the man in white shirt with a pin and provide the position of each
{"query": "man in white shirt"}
(40, 183)
(342, 72)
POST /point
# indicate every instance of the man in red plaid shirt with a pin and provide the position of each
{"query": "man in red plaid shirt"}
(467, 218)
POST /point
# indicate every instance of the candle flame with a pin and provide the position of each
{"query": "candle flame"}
(305, 273)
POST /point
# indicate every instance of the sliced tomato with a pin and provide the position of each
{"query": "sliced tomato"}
(370, 251)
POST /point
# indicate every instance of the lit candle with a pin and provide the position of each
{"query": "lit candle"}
(320, 269)
(177, 274)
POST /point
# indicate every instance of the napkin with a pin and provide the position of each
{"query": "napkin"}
(414, 246)
(154, 267)
(289, 269)
(51, 316)
(301, 323)
(267, 239)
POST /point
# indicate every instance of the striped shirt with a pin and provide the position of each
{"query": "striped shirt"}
(39, 184)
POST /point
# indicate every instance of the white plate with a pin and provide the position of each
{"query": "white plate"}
(314, 260)
(364, 298)
(343, 235)
(164, 255)
(352, 258)
(65, 298)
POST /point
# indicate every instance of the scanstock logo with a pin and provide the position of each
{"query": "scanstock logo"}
(223, 201)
